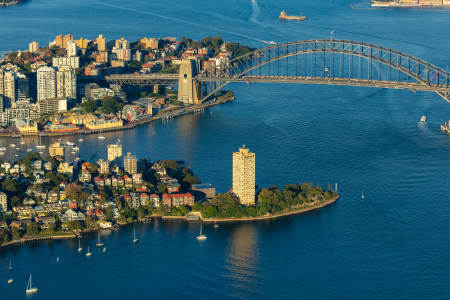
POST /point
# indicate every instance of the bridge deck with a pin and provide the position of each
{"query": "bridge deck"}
(332, 81)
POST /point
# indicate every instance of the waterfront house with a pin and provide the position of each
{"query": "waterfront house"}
(20, 224)
(167, 201)
(45, 222)
(145, 199)
(104, 224)
(154, 198)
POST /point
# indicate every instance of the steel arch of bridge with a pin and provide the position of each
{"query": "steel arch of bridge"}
(409, 72)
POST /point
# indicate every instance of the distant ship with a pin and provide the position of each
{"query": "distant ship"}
(284, 16)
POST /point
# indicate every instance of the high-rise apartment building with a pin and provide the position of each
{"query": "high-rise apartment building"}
(244, 176)
(46, 83)
(66, 83)
(33, 47)
(114, 151)
(9, 89)
(22, 88)
(150, 43)
(130, 164)
(82, 43)
(101, 43)
(71, 49)
(122, 44)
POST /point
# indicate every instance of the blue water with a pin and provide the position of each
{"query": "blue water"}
(393, 244)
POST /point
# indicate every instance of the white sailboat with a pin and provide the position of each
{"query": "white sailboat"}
(216, 225)
(79, 246)
(201, 236)
(30, 289)
(10, 267)
(88, 253)
(99, 242)
(104, 250)
(362, 195)
(135, 240)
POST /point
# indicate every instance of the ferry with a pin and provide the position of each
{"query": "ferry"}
(423, 119)
(446, 127)
(2, 149)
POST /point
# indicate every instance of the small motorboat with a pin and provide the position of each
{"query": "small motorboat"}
(10, 281)
(423, 119)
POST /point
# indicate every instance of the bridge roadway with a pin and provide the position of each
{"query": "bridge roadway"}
(332, 81)
(141, 78)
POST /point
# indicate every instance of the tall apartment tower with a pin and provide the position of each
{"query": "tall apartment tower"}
(101, 43)
(114, 151)
(9, 89)
(33, 47)
(66, 83)
(2, 104)
(46, 83)
(130, 164)
(244, 176)
(71, 49)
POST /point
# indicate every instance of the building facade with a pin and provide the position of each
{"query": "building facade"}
(66, 83)
(3, 202)
(130, 164)
(114, 151)
(244, 176)
(46, 83)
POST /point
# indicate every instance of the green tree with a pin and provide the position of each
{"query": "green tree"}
(90, 106)
(110, 105)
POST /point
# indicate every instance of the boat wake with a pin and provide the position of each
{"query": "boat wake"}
(182, 21)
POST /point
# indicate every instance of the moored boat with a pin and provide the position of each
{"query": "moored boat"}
(30, 289)
(446, 127)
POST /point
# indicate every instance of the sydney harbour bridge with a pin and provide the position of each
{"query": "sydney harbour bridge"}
(330, 62)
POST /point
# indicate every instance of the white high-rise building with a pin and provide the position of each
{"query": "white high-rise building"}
(66, 83)
(114, 151)
(244, 176)
(9, 89)
(46, 83)
(71, 49)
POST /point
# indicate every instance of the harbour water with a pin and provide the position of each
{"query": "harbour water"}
(392, 244)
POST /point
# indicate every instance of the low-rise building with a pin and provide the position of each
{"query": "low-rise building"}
(104, 124)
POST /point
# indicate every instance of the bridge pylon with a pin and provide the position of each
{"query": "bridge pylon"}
(189, 89)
